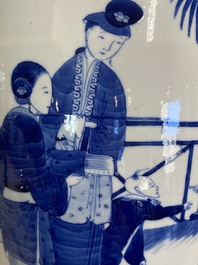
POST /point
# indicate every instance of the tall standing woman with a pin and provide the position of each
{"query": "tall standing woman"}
(91, 96)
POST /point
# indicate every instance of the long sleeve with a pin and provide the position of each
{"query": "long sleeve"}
(110, 115)
(147, 211)
(62, 102)
(63, 84)
(162, 212)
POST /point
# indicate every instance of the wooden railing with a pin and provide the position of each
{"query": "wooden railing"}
(186, 146)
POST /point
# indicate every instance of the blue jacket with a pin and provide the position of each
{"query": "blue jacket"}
(25, 169)
(109, 105)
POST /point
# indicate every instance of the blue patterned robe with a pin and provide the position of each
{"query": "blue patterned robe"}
(104, 105)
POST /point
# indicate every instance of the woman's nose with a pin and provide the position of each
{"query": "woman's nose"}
(108, 46)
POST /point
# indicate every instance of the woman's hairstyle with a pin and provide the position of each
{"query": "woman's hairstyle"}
(24, 77)
(117, 18)
(89, 25)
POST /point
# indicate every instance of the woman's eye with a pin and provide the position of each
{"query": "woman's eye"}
(46, 92)
(101, 37)
(120, 43)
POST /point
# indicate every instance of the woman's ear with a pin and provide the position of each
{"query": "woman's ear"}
(86, 35)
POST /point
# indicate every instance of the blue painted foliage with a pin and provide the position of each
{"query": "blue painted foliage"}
(188, 10)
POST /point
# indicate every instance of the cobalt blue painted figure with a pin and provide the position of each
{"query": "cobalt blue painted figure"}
(130, 211)
(91, 98)
(30, 190)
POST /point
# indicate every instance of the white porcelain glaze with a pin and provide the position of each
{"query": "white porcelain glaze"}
(157, 67)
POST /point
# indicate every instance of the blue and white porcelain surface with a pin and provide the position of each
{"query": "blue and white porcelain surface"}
(150, 202)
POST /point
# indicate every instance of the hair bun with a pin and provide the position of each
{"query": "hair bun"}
(22, 90)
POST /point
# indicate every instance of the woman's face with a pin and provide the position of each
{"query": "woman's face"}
(42, 94)
(103, 45)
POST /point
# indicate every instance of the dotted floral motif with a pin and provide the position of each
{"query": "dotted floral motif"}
(80, 208)
(90, 200)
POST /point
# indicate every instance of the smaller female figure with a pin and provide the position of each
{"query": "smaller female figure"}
(30, 190)
(128, 213)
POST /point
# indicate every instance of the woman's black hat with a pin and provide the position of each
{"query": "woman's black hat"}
(118, 16)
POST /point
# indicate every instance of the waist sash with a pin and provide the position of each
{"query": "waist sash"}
(17, 196)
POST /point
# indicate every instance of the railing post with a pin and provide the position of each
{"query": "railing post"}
(187, 180)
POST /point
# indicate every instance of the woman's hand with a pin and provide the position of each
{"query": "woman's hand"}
(194, 188)
(187, 205)
(70, 134)
(143, 262)
(90, 124)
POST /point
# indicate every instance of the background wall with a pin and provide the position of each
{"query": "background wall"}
(158, 64)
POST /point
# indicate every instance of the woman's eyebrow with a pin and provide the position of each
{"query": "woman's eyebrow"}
(103, 31)
(44, 87)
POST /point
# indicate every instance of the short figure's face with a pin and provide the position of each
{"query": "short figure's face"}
(42, 94)
(148, 188)
(103, 45)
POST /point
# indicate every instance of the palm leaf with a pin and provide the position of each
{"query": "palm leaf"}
(197, 25)
(177, 7)
(191, 16)
(184, 11)
(191, 5)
